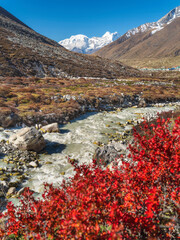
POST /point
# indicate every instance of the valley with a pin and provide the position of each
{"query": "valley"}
(78, 141)
(93, 116)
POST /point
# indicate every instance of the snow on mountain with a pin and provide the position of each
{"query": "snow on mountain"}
(156, 26)
(82, 44)
(168, 18)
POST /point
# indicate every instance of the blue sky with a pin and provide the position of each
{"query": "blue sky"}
(59, 19)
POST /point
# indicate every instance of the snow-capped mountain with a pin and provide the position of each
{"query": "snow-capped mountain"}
(156, 26)
(82, 44)
(168, 18)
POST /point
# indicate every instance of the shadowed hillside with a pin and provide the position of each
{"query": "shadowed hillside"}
(27, 53)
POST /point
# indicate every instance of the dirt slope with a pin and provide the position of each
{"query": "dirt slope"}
(145, 47)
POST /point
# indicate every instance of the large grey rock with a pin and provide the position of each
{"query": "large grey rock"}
(118, 146)
(28, 139)
(53, 127)
(106, 154)
(109, 153)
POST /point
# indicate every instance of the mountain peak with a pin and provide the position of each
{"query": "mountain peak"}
(82, 44)
(107, 34)
(169, 17)
(111, 36)
(79, 36)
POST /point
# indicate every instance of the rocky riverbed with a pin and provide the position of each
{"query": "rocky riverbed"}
(105, 134)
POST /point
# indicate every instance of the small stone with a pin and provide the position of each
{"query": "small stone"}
(50, 128)
(48, 163)
(33, 164)
(11, 191)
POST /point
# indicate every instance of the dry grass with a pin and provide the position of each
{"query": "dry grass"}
(153, 63)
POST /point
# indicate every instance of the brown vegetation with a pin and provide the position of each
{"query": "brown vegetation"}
(65, 97)
(24, 52)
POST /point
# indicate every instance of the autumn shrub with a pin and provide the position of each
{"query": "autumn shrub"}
(27, 89)
(138, 199)
(4, 91)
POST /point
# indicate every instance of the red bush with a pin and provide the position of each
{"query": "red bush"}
(140, 200)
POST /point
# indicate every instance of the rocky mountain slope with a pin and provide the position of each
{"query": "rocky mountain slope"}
(82, 44)
(24, 52)
(149, 42)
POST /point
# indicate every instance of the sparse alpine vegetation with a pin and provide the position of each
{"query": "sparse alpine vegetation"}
(24, 52)
(34, 100)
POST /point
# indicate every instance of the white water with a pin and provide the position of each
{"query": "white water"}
(76, 141)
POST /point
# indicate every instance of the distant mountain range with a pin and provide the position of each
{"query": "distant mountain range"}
(24, 52)
(82, 44)
(151, 44)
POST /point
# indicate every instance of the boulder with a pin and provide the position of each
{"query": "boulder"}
(109, 152)
(28, 138)
(53, 127)
(118, 146)
(142, 103)
(106, 154)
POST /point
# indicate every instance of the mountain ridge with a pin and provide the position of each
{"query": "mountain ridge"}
(24, 52)
(132, 46)
(5, 13)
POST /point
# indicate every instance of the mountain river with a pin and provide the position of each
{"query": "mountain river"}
(77, 140)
